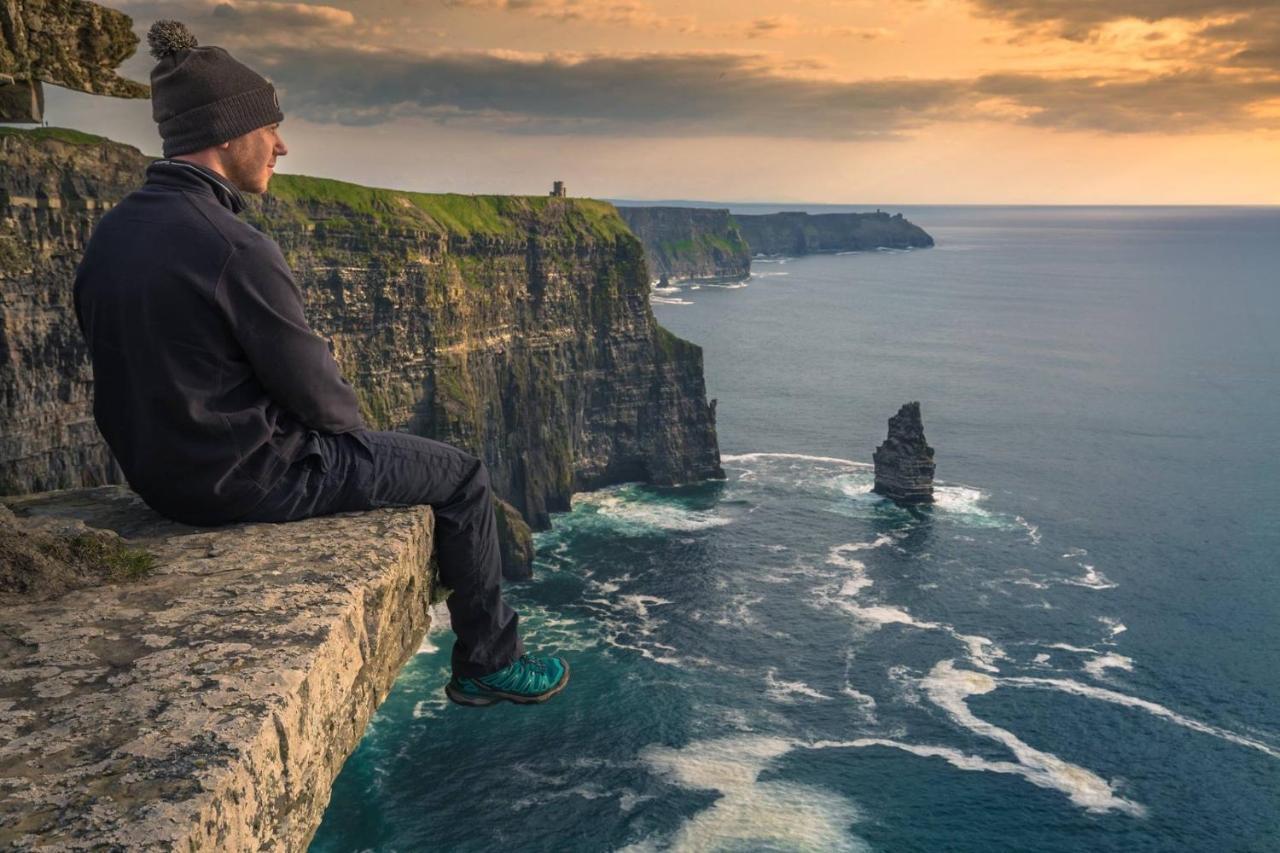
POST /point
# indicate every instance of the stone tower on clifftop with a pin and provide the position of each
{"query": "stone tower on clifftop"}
(904, 463)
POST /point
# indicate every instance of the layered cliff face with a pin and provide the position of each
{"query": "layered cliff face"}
(518, 328)
(797, 233)
(690, 242)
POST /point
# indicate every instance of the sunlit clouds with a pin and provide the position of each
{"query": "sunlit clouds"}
(1181, 78)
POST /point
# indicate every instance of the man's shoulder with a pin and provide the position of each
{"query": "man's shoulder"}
(168, 209)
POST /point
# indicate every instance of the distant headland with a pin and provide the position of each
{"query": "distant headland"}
(711, 244)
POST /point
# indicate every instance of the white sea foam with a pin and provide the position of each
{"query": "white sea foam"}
(1114, 626)
(983, 653)
(751, 457)
(787, 692)
(1092, 578)
(664, 516)
(1079, 689)
(858, 569)
(963, 500)
(770, 274)
(1042, 659)
(628, 800)
(439, 624)
(1066, 647)
(640, 604)
(948, 688)
(879, 542)
(1033, 531)
(737, 610)
(1099, 665)
(749, 814)
(1049, 772)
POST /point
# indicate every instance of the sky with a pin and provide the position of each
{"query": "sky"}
(825, 101)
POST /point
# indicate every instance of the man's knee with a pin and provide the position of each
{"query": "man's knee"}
(480, 475)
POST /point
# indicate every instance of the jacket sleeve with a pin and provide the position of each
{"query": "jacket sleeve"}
(264, 307)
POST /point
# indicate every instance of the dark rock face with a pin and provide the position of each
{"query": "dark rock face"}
(701, 244)
(904, 463)
(518, 328)
(796, 233)
(71, 43)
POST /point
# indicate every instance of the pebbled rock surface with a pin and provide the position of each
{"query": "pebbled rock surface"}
(518, 328)
(904, 463)
(209, 705)
(71, 43)
(700, 244)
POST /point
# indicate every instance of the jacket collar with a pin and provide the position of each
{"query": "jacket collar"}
(191, 176)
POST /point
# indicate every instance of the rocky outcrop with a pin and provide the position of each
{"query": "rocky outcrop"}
(700, 244)
(71, 43)
(796, 233)
(210, 704)
(904, 463)
(516, 327)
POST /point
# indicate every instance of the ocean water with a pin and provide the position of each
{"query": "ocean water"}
(1076, 649)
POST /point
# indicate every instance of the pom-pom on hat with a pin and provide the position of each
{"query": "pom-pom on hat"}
(202, 96)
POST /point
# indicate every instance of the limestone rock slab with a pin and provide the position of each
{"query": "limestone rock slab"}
(210, 705)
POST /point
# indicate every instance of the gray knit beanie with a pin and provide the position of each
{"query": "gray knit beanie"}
(202, 96)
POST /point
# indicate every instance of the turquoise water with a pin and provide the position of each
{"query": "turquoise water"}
(1076, 649)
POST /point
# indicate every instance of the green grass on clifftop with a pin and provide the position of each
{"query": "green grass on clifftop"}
(64, 134)
(465, 215)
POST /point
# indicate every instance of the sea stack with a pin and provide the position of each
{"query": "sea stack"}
(904, 463)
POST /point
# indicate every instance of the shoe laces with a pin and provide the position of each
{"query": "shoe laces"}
(537, 663)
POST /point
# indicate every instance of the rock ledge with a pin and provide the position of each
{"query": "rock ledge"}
(210, 705)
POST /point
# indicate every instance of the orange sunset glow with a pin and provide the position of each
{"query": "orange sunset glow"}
(909, 101)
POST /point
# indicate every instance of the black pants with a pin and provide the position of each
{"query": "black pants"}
(365, 470)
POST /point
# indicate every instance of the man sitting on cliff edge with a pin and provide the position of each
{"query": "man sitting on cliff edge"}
(218, 400)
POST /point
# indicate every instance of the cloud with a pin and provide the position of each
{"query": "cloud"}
(232, 17)
(333, 67)
(627, 13)
(1239, 33)
(670, 94)
(707, 94)
(789, 26)
(297, 15)
(1194, 101)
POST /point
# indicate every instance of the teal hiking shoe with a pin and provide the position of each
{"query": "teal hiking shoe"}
(528, 679)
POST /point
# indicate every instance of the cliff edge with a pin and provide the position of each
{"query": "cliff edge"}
(210, 704)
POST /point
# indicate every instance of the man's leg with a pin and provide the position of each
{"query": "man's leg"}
(366, 470)
(410, 469)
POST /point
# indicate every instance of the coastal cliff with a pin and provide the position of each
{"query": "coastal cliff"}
(700, 244)
(518, 328)
(709, 244)
(794, 233)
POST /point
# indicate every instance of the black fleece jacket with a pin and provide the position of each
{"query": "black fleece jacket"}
(207, 377)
